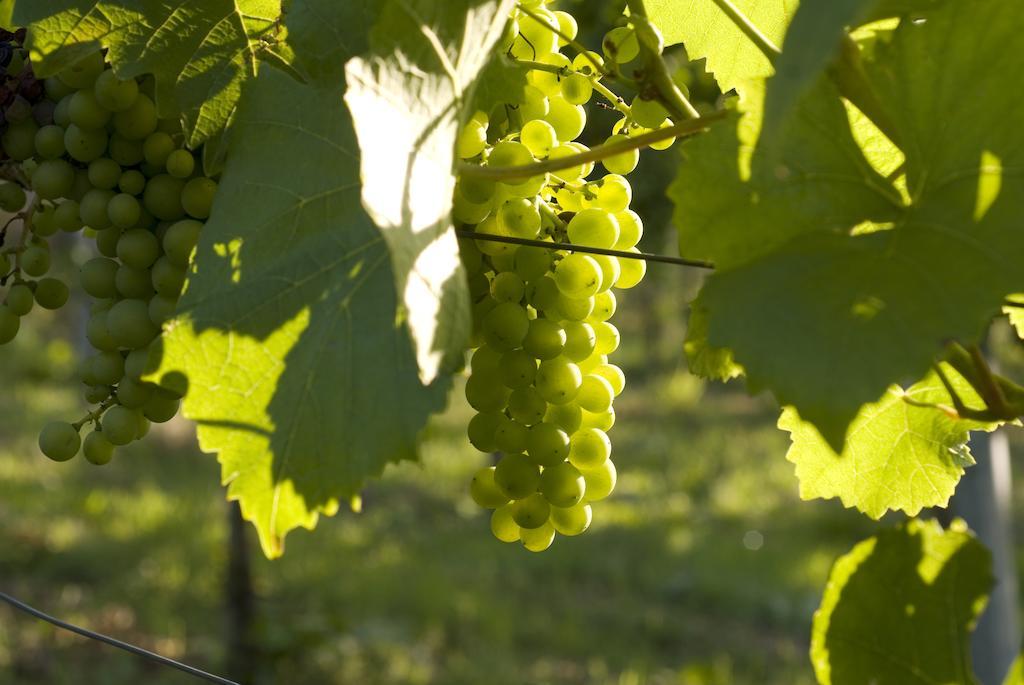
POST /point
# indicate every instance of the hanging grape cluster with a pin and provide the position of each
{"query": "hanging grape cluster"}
(99, 161)
(541, 382)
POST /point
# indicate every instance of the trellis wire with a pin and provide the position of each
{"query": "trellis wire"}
(138, 651)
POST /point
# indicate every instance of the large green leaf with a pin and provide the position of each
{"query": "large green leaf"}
(899, 608)
(708, 33)
(302, 378)
(853, 308)
(1016, 674)
(703, 360)
(407, 97)
(1016, 313)
(321, 33)
(897, 456)
(200, 51)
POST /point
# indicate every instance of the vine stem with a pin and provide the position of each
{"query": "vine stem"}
(569, 247)
(763, 43)
(595, 154)
(657, 71)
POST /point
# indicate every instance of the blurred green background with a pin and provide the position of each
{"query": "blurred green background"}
(703, 568)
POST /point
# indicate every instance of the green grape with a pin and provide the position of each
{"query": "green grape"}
(12, 197)
(519, 217)
(534, 105)
(613, 374)
(484, 395)
(157, 148)
(614, 194)
(484, 491)
(463, 211)
(477, 190)
(504, 262)
(579, 340)
(621, 44)
(124, 211)
(537, 539)
(574, 308)
(631, 229)
(545, 81)
(530, 263)
(486, 361)
(104, 173)
(577, 89)
(526, 406)
(505, 326)
(472, 139)
(540, 137)
(44, 223)
(113, 94)
(138, 120)
(596, 394)
(584, 63)
(132, 182)
(162, 406)
(574, 520)
(558, 380)
(137, 363)
(531, 512)
(68, 216)
(633, 271)
(648, 113)
(602, 421)
(97, 334)
(84, 72)
(547, 444)
(503, 525)
(59, 441)
(98, 277)
(481, 430)
(181, 164)
(85, 144)
(544, 339)
(86, 112)
(168, 279)
(197, 197)
(120, 425)
(518, 369)
(517, 476)
(57, 89)
(81, 185)
(133, 283)
(624, 162)
(594, 228)
(61, 113)
(35, 260)
(144, 426)
(125, 152)
(163, 197)
(543, 294)
(133, 394)
(93, 209)
(138, 248)
(20, 299)
(49, 142)
(509, 153)
(578, 276)
(52, 293)
(562, 485)
(567, 26)
(97, 449)
(589, 448)
(180, 240)
(489, 226)
(572, 174)
(568, 119)
(162, 309)
(510, 436)
(507, 287)
(568, 417)
(10, 323)
(610, 272)
(600, 481)
(535, 39)
(95, 394)
(607, 337)
(107, 367)
(605, 304)
(129, 324)
(19, 140)
(53, 179)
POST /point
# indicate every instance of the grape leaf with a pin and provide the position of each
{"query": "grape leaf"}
(854, 308)
(407, 96)
(899, 608)
(1016, 674)
(1016, 314)
(703, 360)
(7, 14)
(320, 33)
(708, 33)
(301, 377)
(897, 456)
(200, 51)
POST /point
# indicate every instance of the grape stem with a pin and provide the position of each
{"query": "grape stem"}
(656, 73)
(594, 154)
(622, 254)
(606, 92)
(94, 416)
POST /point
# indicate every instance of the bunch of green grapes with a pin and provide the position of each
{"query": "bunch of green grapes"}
(101, 161)
(541, 381)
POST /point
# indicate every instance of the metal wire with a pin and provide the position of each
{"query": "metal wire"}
(139, 651)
